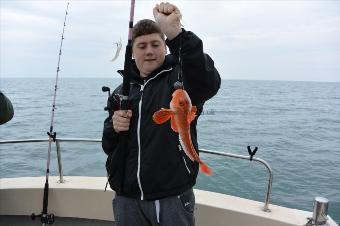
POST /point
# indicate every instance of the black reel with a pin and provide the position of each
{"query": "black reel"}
(113, 101)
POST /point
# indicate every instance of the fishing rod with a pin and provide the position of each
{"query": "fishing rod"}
(128, 58)
(48, 218)
(117, 165)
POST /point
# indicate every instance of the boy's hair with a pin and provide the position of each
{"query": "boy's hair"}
(146, 27)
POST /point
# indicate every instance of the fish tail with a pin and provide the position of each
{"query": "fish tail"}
(205, 168)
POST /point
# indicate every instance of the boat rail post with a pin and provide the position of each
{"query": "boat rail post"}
(269, 186)
(265, 208)
(60, 165)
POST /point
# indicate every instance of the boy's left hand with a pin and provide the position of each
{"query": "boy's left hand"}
(168, 18)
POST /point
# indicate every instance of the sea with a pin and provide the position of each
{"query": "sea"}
(295, 125)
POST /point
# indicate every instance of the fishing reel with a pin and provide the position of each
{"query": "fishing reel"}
(44, 218)
(113, 101)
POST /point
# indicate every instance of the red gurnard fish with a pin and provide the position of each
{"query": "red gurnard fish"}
(182, 113)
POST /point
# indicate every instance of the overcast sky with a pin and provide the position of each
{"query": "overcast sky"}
(258, 40)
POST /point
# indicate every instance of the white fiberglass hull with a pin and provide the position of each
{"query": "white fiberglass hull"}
(84, 198)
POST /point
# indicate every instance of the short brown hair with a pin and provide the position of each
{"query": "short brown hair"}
(146, 27)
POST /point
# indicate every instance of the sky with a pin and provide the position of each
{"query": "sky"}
(248, 40)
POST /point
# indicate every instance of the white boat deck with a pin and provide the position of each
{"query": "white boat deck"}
(84, 198)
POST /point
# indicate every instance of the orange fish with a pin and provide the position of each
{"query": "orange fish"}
(182, 113)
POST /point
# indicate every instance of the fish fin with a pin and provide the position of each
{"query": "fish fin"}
(174, 125)
(162, 115)
(192, 114)
(205, 169)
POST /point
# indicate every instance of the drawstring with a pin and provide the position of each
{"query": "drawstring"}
(157, 205)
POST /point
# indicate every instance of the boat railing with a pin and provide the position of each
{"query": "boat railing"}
(86, 140)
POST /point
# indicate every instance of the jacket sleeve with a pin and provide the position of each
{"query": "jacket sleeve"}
(6, 109)
(110, 138)
(200, 77)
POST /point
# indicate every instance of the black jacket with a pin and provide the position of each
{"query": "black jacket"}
(156, 167)
(6, 109)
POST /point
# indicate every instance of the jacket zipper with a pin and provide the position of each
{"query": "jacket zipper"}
(138, 139)
(138, 131)
(185, 162)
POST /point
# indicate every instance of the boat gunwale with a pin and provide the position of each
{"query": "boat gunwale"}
(206, 151)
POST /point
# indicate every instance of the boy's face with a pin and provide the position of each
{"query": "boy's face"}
(149, 52)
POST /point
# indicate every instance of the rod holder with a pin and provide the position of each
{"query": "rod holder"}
(320, 211)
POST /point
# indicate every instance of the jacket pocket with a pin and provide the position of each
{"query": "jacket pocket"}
(187, 201)
(115, 164)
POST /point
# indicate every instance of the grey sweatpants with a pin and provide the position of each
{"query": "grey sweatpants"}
(170, 211)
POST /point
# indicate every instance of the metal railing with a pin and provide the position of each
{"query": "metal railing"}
(86, 140)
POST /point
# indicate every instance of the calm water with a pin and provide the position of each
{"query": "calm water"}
(296, 126)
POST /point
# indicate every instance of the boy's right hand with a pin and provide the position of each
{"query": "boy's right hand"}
(121, 120)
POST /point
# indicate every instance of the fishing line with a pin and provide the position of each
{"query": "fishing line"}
(48, 218)
(179, 83)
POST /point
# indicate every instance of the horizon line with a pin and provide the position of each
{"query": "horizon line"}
(117, 77)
